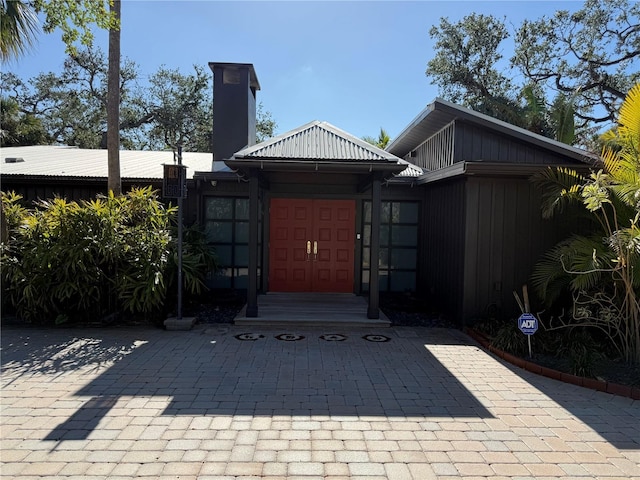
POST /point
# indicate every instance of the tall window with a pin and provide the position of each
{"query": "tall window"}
(227, 228)
(397, 262)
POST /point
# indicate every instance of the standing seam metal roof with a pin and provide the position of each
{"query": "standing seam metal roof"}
(317, 141)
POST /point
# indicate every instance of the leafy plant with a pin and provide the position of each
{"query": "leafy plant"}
(198, 259)
(602, 271)
(582, 350)
(510, 339)
(65, 261)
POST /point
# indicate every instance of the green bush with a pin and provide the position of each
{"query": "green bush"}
(583, 351)
(509, 338)
(66, 261)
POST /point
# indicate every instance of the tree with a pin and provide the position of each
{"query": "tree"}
(465, 65)
(181, 109)
(602, 271)
(18, 29)
(71, 105)
(18, 129)
(19, 22)
(265, 124)
(381, 142)
(593, 52)
(171, 107)
(113, 104)
(575, 64)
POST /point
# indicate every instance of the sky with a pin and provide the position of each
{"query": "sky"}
(358, 65)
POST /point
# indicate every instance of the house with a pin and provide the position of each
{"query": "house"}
(44, 171)
(446, 211)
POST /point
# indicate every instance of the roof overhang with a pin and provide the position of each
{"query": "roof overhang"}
(441, 113)
(27, 178)
(321, 166)
(229, 66)
(489, 169)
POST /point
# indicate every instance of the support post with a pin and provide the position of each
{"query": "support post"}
(252, 288)
(180, 213)
(373, 311)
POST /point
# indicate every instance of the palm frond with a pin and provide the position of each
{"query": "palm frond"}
(560, 187)
(629, 116)
(18, 28)
(578, 263)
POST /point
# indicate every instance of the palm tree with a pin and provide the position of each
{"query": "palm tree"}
(18, 28)
(602, 271)
(114, 183)
(381, 142)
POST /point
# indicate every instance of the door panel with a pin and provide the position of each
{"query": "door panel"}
(334, 228)
(291, 228)
(312, 245)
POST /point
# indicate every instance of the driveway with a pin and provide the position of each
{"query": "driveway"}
(255, 402)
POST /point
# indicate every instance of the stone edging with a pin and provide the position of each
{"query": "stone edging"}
(592, 383)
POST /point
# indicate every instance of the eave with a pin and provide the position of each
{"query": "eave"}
(490, 169)
(441, 113)
(323, 166)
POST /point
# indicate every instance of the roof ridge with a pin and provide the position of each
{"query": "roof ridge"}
(336, 145)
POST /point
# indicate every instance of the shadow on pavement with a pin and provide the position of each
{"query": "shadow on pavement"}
(212, 374)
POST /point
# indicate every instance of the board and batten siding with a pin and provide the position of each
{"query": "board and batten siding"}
(473, 143)
(505, 235)
(442, 259)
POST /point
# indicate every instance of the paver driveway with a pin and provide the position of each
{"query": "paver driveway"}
(402, 403)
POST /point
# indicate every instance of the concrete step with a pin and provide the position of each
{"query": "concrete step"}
(312, 309)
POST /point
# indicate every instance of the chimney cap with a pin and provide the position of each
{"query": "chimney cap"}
(238, 66)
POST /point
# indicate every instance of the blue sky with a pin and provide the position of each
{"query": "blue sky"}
(358, 65)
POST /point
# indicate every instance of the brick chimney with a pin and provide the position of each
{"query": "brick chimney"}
(234, 108)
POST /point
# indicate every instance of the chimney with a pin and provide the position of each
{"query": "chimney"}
(234, 108)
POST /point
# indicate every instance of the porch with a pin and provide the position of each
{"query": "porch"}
(312, 309)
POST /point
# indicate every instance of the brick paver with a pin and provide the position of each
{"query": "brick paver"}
(127, 403)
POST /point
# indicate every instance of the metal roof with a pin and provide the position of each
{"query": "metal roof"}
(441, 113)
(412, 171)
(71, 162)
(316, 141)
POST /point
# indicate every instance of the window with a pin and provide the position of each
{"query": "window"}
(227, 227)
(398, 258)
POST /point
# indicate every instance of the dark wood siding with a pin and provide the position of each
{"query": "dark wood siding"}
(474, 143)
(505, 236)
(442, 252)
(82, 189)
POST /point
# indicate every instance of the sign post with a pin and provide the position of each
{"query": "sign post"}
(174, 185)
(528, 324)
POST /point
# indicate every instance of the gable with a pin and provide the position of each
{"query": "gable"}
(320, 146)
(445, 133)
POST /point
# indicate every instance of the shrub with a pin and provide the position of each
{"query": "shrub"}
(509, 338)
(582, 350)
(82, 261)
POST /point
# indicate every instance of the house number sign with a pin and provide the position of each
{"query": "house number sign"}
(174, 184)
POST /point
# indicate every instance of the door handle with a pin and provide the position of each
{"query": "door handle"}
(315, 250)
(308, 249)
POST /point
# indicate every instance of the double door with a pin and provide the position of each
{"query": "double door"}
(311, 245)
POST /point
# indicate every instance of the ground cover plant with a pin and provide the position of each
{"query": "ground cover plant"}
(86, 261)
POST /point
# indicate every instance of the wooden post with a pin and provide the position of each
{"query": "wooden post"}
(527, 309)
(373, 311)
(252, 288)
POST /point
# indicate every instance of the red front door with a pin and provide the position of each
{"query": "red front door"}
(311, 245)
